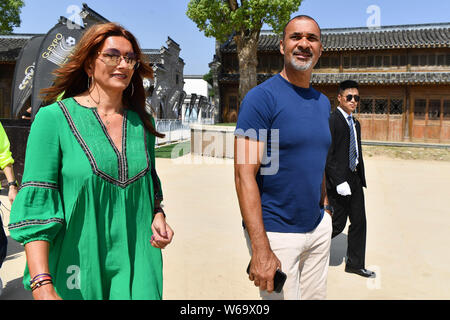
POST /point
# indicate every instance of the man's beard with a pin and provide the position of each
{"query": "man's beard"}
(302, 66)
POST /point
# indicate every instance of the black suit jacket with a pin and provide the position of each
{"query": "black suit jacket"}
(337, 168)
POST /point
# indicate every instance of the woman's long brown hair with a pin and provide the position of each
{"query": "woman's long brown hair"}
(72, 78)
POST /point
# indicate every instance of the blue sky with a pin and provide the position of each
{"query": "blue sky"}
(152, 21)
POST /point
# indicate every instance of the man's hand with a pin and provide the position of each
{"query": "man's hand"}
(344, 189)
(247, 161)
(263, 266)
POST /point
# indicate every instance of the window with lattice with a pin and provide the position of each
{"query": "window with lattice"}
(378, 61)
(370, 61)
(446, 110)
(334, 62)
(381, 106)
(434, 109)
(365, 106)
(420, 106)
(325, 63)
(396, 106)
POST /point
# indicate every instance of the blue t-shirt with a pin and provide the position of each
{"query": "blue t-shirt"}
(293, 120)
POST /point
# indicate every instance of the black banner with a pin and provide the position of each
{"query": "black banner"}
(53, 53)
(23, 74)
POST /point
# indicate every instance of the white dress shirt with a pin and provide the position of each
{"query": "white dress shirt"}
(354, 130)
(344, 188)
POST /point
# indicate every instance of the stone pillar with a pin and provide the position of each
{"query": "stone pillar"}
(215, 70)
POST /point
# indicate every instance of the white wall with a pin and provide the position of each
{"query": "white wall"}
(195, 84)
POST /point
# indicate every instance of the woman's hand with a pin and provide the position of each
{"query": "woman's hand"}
(162, 232)
(12, 193)
(46, 292)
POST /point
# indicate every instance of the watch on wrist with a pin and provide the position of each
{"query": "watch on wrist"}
(329, 208)
(158, 210)
(13, 183)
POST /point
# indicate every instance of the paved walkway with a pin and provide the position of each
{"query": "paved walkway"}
(407, 243)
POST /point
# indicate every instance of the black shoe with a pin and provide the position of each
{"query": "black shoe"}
(362, 272)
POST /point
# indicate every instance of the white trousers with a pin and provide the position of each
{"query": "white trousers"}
(304, 258)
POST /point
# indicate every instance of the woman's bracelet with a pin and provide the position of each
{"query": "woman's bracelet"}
(39, 276)
(40, 280)
(40, 284)
(158, 210)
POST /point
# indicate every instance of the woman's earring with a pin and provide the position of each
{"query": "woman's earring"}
(90, 82)
(132, 89)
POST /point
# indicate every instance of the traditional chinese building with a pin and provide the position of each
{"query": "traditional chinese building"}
(10, 46)
(403, 72)
(164, 91)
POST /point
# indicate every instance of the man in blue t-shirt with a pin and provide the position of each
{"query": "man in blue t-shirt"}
(281, 146)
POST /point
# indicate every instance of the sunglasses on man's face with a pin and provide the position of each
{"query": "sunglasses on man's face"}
(349, 97)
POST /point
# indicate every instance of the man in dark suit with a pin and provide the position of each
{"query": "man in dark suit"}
(346, 179)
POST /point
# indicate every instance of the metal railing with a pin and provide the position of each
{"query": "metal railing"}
(174, 130)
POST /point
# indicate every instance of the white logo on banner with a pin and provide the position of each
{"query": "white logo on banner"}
(58, 51)
(70, 41)
(29, 72)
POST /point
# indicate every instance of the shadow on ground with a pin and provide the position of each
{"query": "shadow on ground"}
(14, 291)
(14, 248)
(338, 249)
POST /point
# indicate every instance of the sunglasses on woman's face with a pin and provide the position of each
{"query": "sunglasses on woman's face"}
(349, 97)
(113, 57)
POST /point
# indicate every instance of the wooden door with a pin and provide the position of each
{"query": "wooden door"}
(381, 118)
(231, 108)
(431, 119)
(445, 128)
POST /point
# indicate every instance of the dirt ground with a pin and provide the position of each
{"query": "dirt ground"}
(407, 153)
(407, 240)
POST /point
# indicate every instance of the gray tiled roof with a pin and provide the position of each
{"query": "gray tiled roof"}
(388, 37)
(90, 14)
(373, 78)
(153, 55)
(383, 78)
(10, 46)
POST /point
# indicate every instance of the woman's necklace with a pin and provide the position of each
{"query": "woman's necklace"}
(107, 121)
(106, 115)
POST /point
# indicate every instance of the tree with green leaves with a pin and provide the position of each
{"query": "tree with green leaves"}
(243, 21)
(10, 15)
(208, 77)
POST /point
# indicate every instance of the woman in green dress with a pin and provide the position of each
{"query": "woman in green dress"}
(88, 208)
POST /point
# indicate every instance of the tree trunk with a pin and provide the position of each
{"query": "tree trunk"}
(247, 48)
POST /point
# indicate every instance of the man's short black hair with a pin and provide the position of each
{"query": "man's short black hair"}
(301, 16)
(347, 84)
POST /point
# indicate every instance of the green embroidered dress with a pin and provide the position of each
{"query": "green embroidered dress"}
(93, 204)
